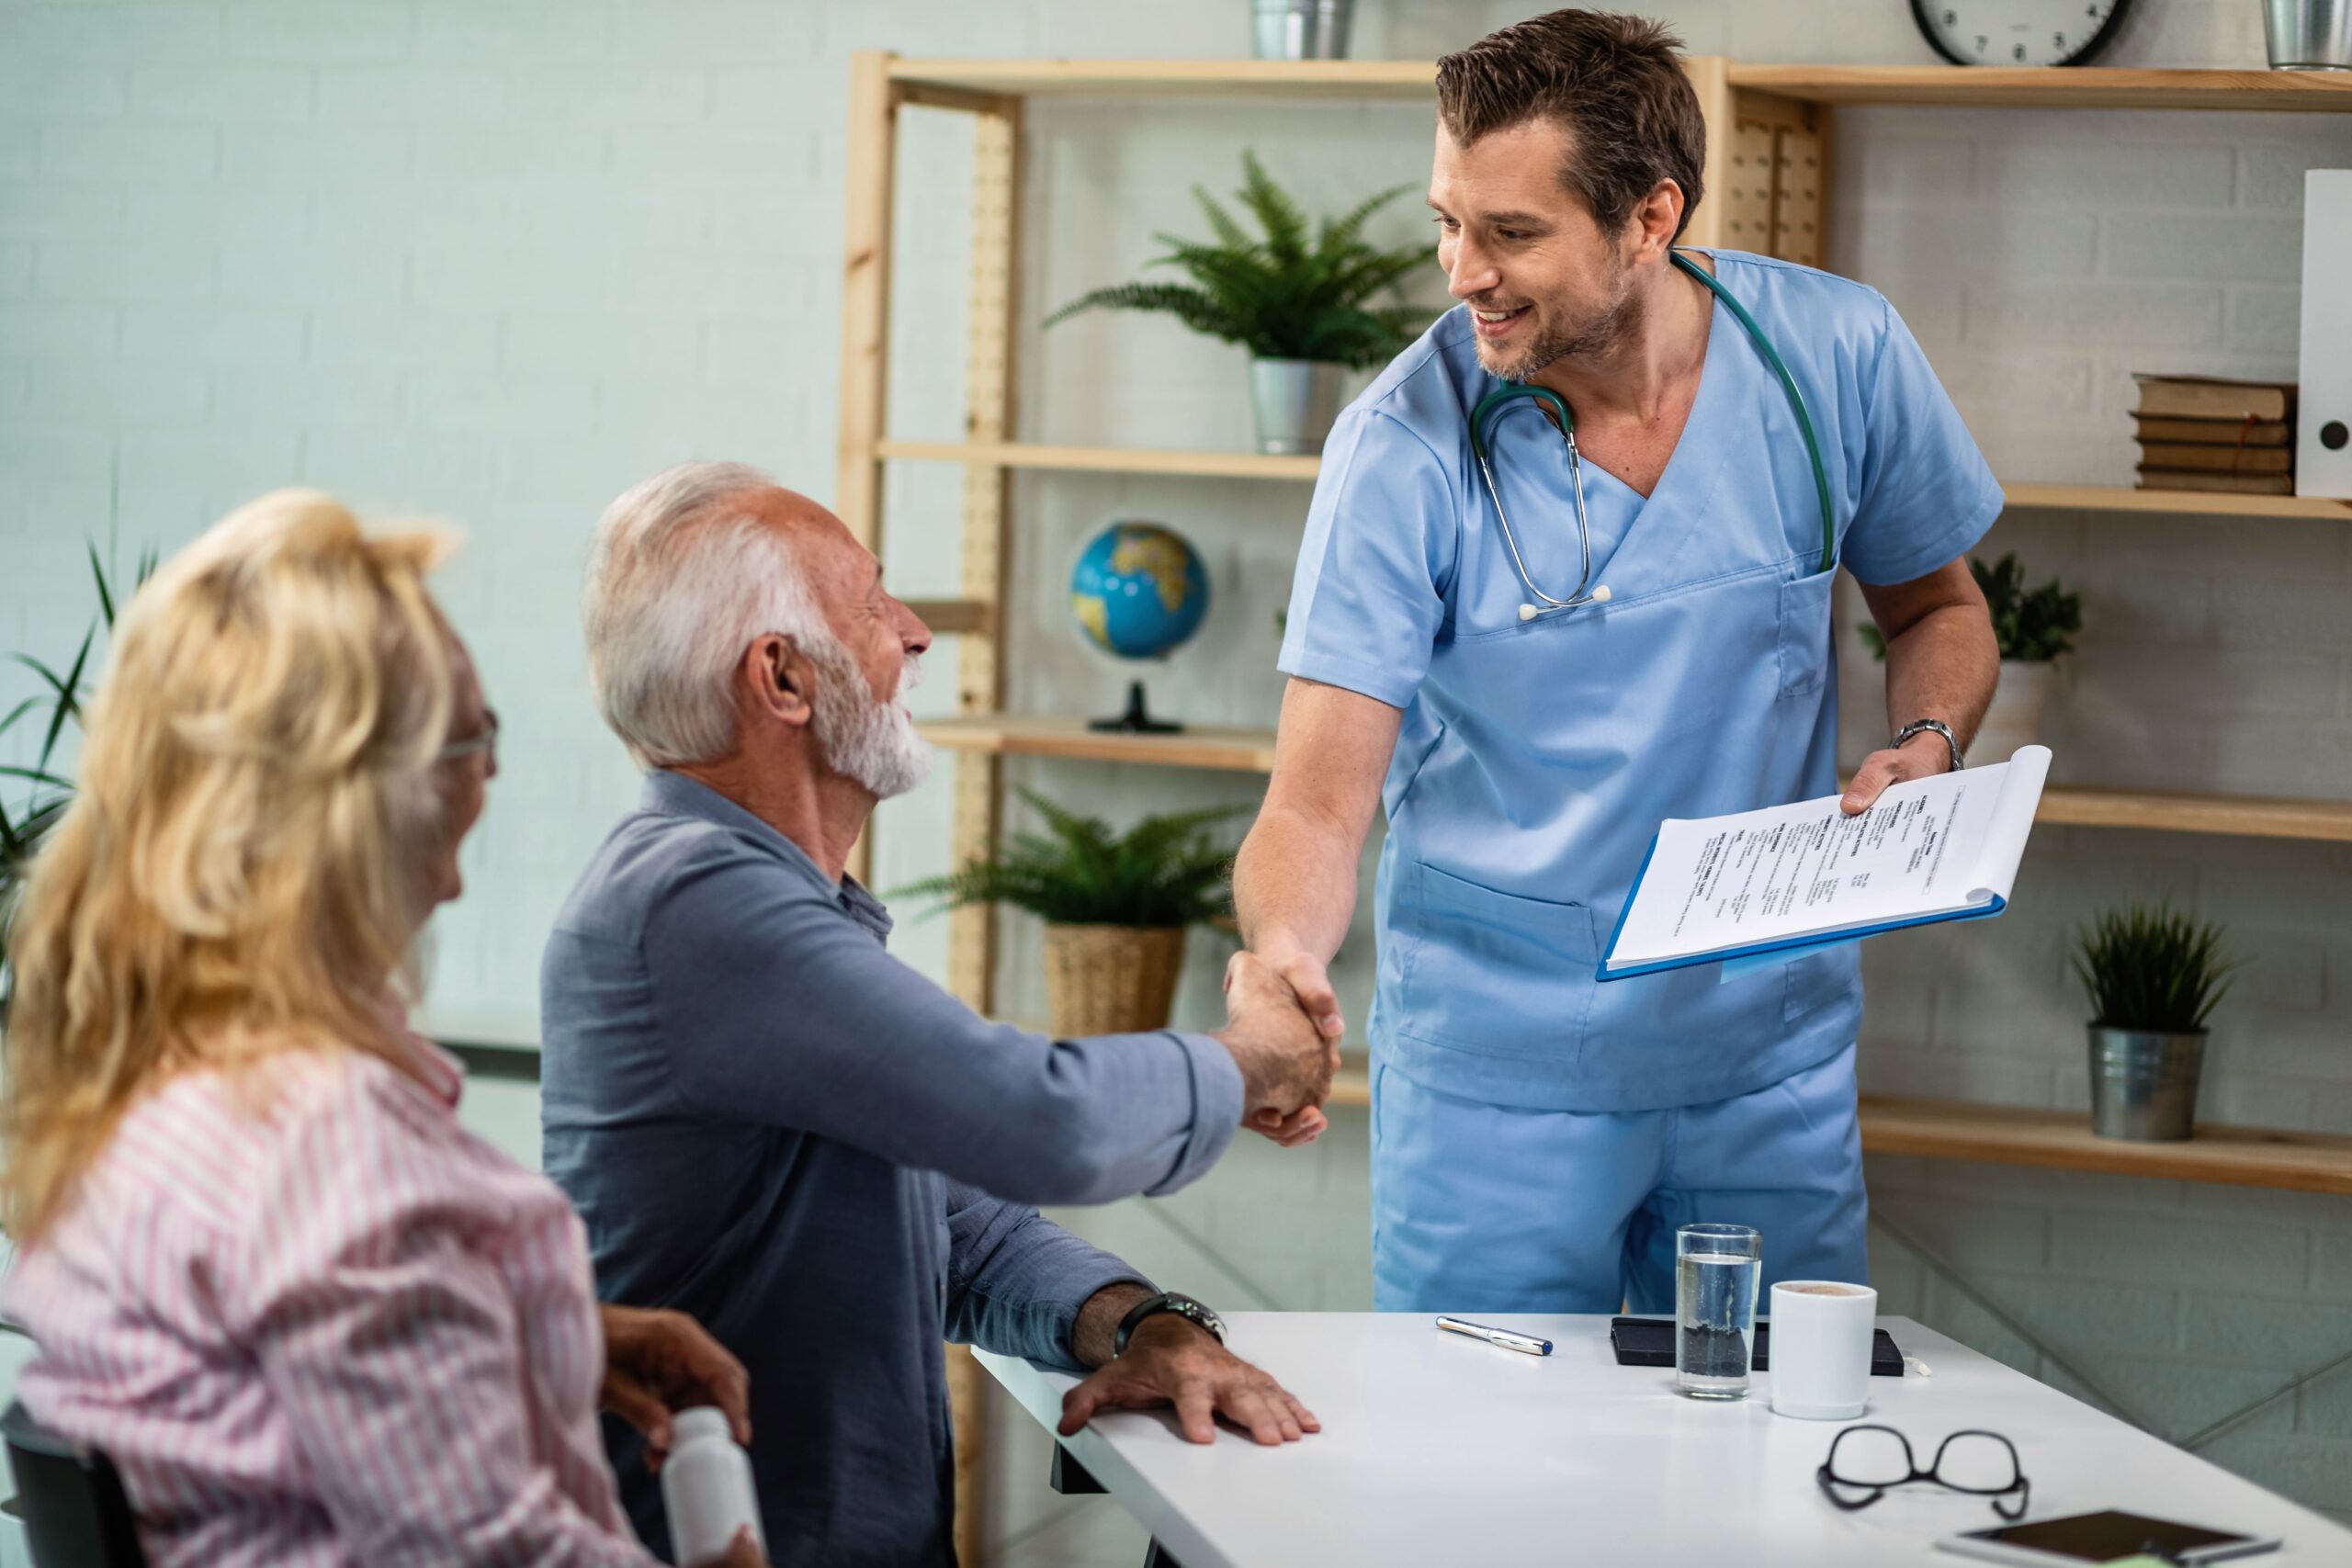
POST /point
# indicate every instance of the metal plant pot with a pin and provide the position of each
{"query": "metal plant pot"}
(2143, 1083)
(1294, 401)
(1300, 29)
(2308, 35)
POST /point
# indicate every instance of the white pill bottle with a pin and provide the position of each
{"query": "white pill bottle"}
(707, 1488)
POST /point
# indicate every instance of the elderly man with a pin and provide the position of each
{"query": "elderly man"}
(769, 1122)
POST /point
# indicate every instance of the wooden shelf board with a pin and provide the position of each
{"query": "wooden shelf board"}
(2050, 87)
(2059, 1140)
(2192, 502)
(959, 616)
(1981, 86)
(1252, 751)
(1258, 466)
(2243, 817)
(1174, 78)
(2238, 1156)
(1106, 460)
(1058, 735)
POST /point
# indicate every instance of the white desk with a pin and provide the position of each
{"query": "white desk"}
(1437, 1449)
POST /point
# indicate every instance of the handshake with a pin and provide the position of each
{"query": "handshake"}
(1282, 1027)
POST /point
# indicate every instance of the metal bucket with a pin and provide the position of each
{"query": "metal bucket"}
(1300, 29)
(2143, 1084)
(1294, 401)
(2308, 35)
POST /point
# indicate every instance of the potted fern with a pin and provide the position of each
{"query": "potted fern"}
(2033, 626)
(1115, 908)
(2154, 977)
(46, 792)
(1302, 300)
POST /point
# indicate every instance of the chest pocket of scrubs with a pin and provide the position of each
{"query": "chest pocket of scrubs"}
(1494, 974)
(1804, 633)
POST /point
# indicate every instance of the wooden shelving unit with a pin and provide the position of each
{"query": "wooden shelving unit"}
(1770, 142)
(2059, 1140)
(1252, 752)
(1152, 461)
(2062, 1140)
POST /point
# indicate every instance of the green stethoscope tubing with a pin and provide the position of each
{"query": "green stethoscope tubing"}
(1495, 401)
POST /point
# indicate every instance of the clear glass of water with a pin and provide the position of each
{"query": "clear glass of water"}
(1716, 1269)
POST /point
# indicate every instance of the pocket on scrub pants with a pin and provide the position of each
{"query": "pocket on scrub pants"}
(1491, 973)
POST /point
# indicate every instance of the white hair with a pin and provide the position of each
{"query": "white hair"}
(681, 580)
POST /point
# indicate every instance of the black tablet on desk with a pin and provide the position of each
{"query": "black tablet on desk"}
(1649, 1342)
(2103, 1538)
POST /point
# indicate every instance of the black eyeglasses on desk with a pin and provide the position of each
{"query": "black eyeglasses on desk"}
(1866, 1462)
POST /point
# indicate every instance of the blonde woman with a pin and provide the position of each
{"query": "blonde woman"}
(312, 1319)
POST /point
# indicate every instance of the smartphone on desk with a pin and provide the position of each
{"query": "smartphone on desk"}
(2103, 1538)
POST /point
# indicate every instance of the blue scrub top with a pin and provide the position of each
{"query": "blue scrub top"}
(1536, 760)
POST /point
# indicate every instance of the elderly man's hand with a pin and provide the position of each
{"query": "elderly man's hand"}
(658, 1362)
(1923, 756)
(1286, 1062)
(1171, 1360)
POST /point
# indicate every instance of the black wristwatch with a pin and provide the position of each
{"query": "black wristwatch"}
(1166, 1300)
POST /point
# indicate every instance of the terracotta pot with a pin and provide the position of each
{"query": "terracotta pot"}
(1110, 980)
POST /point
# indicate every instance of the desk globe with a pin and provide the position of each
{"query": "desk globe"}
(1138, 591)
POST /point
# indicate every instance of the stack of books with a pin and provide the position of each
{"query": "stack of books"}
(2206, 432)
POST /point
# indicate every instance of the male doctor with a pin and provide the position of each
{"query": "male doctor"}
(1537, 1137)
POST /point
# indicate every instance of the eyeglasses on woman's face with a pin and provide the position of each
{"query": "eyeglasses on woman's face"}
(484, 741)
(1866, 1462)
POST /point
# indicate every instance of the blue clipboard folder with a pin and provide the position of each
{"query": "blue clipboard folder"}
(1763, 887)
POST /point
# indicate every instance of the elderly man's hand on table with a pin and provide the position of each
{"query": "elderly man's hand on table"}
(1171, 1360)
(658, 1362)
(1286, 1059)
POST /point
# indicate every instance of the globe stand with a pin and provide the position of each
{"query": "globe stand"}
(1138, 719)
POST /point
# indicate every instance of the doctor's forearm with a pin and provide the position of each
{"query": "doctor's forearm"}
(1943, 666)
(1295, 884)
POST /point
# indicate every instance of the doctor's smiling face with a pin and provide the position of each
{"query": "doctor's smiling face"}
(1543, 279)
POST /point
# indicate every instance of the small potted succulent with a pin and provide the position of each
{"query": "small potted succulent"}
(1302, 299)
(2033, 627)
(2152, 977)
(1115, 906)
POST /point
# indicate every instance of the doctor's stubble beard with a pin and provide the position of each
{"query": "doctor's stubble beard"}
(1590, 336)
(872, 742)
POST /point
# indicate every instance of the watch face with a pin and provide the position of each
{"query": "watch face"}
(2018, 32)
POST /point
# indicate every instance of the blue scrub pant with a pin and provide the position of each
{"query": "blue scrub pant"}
(1489, 1208)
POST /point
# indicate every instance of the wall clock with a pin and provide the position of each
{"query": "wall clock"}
(2018, 32)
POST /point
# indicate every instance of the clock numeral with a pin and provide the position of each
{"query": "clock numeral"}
(1980, 43)
(2058, 41)
(1951, 19)
(2018, 53)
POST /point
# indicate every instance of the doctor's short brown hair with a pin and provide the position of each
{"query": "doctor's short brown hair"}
(1615, 83)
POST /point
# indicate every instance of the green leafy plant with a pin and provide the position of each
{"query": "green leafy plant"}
(46, 794)
(2031, 626)
(2152, 969)
(1165, 871)
(1290, 295)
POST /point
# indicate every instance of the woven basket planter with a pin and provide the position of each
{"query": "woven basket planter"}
(1110, 980)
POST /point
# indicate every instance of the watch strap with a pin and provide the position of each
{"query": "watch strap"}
(1170, 1302)
(1918, 727)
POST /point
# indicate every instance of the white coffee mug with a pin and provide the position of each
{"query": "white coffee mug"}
(1821, 1347)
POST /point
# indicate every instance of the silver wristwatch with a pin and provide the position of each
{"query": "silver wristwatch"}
(1182, 1306)
(1922, 727)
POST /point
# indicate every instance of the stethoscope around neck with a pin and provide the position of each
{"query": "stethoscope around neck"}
(1498, 401)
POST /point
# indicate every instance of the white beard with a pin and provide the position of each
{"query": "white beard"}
(872, 743)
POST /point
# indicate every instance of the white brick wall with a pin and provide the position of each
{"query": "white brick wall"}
(490, 260)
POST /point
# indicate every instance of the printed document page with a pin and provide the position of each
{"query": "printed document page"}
(1934, 847)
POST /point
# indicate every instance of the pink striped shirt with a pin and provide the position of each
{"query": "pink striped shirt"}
(342, 1330)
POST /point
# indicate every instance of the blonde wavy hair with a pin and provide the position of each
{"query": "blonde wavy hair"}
(243, 868)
